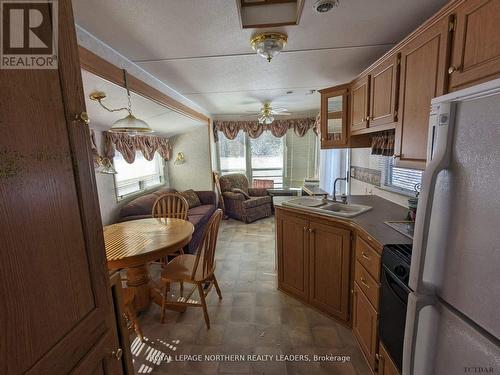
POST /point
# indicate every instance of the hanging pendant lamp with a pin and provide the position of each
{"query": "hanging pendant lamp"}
(130, 124)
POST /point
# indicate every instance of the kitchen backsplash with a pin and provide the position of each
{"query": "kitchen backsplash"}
(368, 175)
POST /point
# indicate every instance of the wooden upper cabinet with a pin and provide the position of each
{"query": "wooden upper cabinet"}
(293, 255)
(423, 77)
(360, 91)
(384, 82)
(476, 45)
(334, 117)
(329, 249)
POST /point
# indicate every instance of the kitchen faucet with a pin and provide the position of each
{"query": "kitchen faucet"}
(343, 196)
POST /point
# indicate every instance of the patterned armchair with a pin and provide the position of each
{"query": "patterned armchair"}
(244, 203)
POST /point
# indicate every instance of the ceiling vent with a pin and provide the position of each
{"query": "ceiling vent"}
(323, 6)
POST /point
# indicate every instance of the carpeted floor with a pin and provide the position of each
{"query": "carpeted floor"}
(252, 318)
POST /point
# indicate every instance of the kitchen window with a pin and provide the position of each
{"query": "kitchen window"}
(139, 176)
(399, 180)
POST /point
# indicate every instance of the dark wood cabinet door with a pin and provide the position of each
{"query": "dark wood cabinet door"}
(423, 73)
(359, 103)
(386, 365)
(56, 315)
(476, 45)
(383, 92)
(293, 255)
(330, 259)
(365, 325)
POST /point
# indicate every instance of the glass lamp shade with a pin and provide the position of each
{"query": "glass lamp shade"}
(266, 120)
(131, 125)
(268, 45)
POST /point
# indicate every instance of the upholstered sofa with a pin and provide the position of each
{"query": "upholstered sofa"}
(140, 208)
(242, 202)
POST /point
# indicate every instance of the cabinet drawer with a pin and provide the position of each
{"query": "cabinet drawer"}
(368, 257)
(367, 284)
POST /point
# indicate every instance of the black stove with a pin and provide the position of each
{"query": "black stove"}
(397, 258)
(396, 261)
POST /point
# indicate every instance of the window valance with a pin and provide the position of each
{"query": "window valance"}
(383, 144)
(278, 128)
(128, 145)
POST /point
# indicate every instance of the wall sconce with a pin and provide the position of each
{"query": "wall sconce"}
(180, 159)
(104, 165)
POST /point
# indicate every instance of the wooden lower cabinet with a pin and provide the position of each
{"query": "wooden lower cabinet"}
(365, 325)
(386, 365)
(329, 263)
(293, 255)
(314, 260)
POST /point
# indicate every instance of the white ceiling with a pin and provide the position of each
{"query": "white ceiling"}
(199, 48)
(161, 119)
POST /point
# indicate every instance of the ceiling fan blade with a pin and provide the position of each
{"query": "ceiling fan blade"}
(282, 114)
(279, 109)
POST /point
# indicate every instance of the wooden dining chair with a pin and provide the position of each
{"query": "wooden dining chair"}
(130, 314)
(194, 269)
(170, 206)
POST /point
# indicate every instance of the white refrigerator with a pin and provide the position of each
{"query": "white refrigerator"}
(453, 313)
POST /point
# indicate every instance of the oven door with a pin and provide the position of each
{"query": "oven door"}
(393, 301)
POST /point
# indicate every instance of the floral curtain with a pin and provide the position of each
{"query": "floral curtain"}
(128, 145)
(317, 124)
(383, 144)
(254, 130)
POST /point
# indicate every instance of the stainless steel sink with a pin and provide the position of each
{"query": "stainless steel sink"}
(327, 207)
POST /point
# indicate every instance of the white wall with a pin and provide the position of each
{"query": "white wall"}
(196, 172)
(361, 157)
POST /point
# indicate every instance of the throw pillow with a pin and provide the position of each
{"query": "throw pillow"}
(191, 197)
(236, 190)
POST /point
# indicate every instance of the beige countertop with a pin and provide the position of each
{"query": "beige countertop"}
(371, 222)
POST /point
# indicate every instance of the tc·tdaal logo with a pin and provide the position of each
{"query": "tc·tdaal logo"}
(29, 34)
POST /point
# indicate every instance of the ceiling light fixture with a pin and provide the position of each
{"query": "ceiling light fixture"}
(129, 124)
(266, 116)
(323, 6)
(268, 45)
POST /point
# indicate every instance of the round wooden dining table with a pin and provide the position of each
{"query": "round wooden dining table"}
(133, 244)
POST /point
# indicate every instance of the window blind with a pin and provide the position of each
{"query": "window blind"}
(399, 179)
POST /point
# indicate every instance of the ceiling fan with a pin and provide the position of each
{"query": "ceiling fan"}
(267, 112)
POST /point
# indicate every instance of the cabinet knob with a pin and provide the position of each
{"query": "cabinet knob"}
(83, 117)
(117, 354)
(452, 69)
(365, 284)
(311, 230)
(367, 118)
